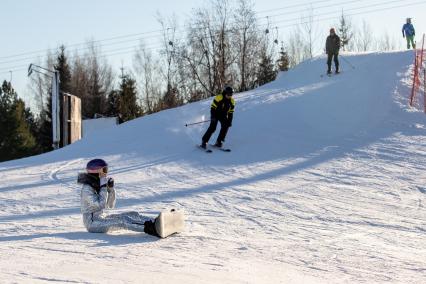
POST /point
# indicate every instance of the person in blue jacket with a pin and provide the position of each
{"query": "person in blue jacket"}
(408, 32)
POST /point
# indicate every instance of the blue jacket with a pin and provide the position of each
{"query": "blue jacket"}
(408, 29)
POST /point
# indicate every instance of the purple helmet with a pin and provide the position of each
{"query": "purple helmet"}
(97, 166)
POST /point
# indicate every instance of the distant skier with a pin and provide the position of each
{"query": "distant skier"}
(97, 194)
(332, 46)
(222, 110)
(408, 32)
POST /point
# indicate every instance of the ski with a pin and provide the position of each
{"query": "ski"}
(330, 75)
(222, 149)
(205, 150)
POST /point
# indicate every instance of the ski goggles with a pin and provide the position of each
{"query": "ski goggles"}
(98, 170)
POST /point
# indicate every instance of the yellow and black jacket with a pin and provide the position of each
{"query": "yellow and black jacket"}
(222, 108)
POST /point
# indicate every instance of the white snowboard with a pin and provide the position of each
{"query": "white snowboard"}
(169, 222)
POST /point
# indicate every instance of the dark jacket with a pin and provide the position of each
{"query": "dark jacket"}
(222, 108)
(332, 44)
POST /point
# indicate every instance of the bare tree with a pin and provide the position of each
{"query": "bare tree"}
(92, 80)
(247, 43)
(364, 38)
(387, 43)
(40, 85)
(309, 34)
(295, 47)
(208, 52)
(147, 69)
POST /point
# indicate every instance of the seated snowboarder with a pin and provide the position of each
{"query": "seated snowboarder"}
(222, 110)
(97, 194)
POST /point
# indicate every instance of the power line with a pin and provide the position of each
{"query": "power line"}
(158, 31)
(125, 50)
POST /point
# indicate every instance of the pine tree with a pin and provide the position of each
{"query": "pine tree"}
(284, 61)
(345, 31)
(16, 140)
(64, 71)
(266, 72)
(128, 107)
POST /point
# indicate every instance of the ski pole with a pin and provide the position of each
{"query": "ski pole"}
(347, 61)
(204, 121)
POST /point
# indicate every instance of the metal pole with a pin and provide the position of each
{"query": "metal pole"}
(56, 128)
(204, 121)
(347, 61)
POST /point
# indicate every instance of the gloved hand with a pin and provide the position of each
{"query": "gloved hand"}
(403, 36)
(107, 182)
(230, 117)
(110, 182)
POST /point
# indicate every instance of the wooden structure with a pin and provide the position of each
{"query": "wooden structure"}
(71, 119)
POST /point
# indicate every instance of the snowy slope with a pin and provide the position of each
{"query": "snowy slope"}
(325, 183)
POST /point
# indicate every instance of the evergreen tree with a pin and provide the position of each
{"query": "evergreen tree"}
(64, 71)
(16, 140)
(345, 31)
(128, 107)
(113, 101)
(284, 61)
(266, 72)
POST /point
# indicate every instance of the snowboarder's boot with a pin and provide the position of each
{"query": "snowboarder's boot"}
(203, 145)
(328, 72)
(149, 228)
(337, 71)
(218, 144)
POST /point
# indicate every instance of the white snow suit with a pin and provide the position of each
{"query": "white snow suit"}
(93, 203)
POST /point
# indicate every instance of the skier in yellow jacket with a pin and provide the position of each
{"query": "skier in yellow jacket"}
(222, 110)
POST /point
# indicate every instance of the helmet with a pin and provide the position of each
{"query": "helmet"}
(228, 91)
(97, 166)
(332, 30)
(408, 20)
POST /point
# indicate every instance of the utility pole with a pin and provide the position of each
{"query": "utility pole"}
(56, 124)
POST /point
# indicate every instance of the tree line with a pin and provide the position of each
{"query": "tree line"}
(224, 44)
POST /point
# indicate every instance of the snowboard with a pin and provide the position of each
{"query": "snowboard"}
(169, 222)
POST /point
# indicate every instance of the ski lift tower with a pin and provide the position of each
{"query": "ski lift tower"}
(54, 74)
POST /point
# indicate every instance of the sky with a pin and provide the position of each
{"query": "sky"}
(30, 28)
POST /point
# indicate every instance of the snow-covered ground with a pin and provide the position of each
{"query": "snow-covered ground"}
(326, 183)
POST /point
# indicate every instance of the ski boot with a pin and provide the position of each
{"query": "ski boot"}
(149, 228)
(218, 144)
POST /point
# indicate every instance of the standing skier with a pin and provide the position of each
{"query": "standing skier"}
(97, 194)
(222, 110)
(332, 46)
(408, 32)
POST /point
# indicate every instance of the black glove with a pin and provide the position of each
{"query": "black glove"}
(230, 117)
(110, 183)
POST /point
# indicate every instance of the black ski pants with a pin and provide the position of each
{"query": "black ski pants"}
(224, 126)
(336, 60)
